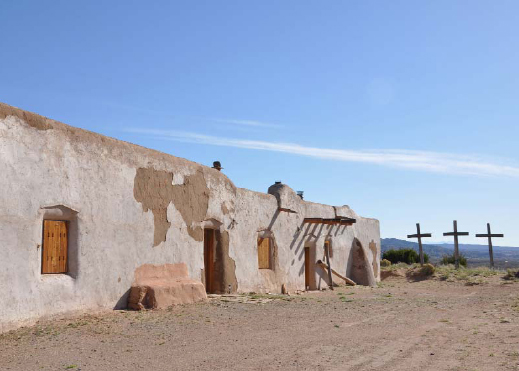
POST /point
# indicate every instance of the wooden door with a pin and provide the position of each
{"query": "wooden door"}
(55, 247)
(264, 253)
(209, 259)
(307, 268)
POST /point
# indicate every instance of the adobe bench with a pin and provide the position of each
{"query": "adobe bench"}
(161, 286)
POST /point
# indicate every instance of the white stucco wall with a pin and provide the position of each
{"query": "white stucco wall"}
(44, 163)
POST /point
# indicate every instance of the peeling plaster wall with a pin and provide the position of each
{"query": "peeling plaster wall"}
(137, 206)
(155, 190)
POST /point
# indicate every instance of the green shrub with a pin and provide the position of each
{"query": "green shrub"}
(385, 263)
(408, 256)
(450, 259)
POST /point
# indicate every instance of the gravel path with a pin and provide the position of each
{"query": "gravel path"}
(427, 325)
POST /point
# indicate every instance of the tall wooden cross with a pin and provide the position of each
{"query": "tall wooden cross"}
(419, 236)
(455, 233)
(489, 235)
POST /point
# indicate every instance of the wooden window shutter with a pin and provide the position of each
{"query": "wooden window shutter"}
(264, 253)
(55, 247)
(328, 246)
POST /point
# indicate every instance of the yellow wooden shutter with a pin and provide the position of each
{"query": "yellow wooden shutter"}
(264, 253)
(55, 246)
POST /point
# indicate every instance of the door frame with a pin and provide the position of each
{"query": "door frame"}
(209, 258)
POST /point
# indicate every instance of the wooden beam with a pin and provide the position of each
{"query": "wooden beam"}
(489, 235)
(313, 220)
(331, 221)
(287, 210)
(419, 235)
(327, 252)
(346, 219)
(346, 279)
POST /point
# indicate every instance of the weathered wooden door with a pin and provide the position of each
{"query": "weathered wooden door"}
(55, 247)
(307, 268)
(209, 259)
(264, 253)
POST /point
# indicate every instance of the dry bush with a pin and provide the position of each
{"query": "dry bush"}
(427, 270)
(385, 263)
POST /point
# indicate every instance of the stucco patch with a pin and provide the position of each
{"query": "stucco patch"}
(373, 248)
(361, 270)
(224, 265)
(154, 190)
(225, 210)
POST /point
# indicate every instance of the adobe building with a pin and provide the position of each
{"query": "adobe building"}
(118, 207)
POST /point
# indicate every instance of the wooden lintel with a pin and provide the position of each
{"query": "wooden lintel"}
(313, 220)
(330, 221)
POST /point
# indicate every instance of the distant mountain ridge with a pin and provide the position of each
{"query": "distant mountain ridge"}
(504, 256)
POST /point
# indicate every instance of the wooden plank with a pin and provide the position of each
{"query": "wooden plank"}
(327, 252)
(421, 235)
(489, 235)
(332, 221)
(312, 220)
(209, 259)
(328, 247)
(55, 247)
(56, 244)
(63, 267)
(45, 256)
(264, 253)
(346, 279)
(456, 234)
(307, 268)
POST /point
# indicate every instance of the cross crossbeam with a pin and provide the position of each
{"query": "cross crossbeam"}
(419, 236)
(489, 235)
(456, 234)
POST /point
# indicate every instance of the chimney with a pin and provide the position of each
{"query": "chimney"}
(217, 165)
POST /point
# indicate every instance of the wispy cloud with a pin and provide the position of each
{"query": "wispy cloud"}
(249, 123)
(415, 160)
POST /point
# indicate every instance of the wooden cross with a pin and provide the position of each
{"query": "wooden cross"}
(456, 248)
(419, 236)
(490, 235)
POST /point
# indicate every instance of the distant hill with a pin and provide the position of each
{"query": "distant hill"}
(477, 255)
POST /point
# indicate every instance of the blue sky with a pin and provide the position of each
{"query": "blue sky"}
(408, 111)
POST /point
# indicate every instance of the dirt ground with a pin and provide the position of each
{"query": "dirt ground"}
(401, 325)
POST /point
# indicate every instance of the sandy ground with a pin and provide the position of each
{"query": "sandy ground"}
(427, 325)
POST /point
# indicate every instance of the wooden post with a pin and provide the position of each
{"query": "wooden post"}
(489, 235)
(455, 233)
(327, 252)
(419, 236)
